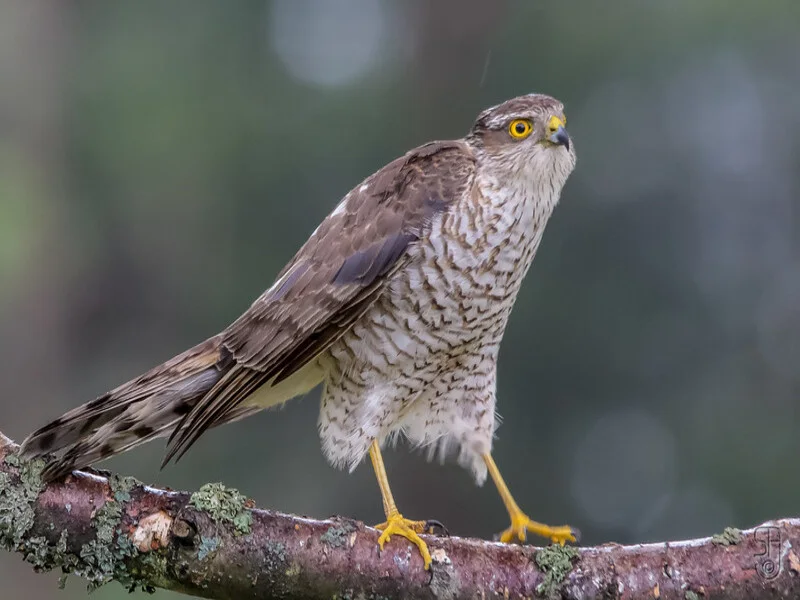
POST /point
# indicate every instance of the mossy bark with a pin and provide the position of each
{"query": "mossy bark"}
(213, 544)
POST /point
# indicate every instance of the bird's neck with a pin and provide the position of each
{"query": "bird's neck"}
(521, 200)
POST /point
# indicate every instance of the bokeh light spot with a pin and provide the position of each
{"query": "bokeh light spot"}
(624, 466)
(328, 44)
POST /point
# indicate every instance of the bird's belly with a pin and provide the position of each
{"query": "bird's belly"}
(434, 330)
(413, 337)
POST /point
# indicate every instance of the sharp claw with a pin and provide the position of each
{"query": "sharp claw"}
(431, 525)
(576, 533)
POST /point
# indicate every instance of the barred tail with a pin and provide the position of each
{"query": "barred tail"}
(147, 407)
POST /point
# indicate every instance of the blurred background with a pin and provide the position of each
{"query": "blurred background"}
(160, 162)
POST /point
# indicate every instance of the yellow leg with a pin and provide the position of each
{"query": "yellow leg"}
(521, 524)
(395, 523)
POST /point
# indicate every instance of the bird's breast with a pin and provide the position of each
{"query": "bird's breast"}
(457, 290)
(464, 276)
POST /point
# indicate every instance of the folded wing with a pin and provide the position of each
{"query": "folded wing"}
(333, 279)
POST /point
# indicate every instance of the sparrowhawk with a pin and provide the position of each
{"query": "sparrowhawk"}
(396, 304)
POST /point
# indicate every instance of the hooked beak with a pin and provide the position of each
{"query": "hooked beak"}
(557, 133)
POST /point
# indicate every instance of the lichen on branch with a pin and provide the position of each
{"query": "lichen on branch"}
(215, 544)
(103, 558)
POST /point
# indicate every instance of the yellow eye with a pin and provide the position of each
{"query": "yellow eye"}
(520, 128)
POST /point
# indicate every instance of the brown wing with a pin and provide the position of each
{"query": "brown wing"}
(333, 279)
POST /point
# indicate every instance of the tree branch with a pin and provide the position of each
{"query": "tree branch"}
(214, 544)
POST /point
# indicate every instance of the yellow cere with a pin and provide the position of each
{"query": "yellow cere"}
(554, 123)
(520, 128)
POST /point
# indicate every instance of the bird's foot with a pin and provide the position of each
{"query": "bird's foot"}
(397, 524)
(521, 525)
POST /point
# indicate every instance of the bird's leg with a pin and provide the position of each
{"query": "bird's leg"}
(396, 524)
(521, 524)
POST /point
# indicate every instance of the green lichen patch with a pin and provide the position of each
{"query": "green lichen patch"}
(730, 536)
(45, 557)
(64, 559)
(107, 556)
(690, 595)
(102, 558)
(97, 565)
(13, 459)
(208, 545)
(16, 513)
(337, 535)
(17, 499)
(153, 563)
(555, 562)
(30, 473)
(37, 551)
(121, 487)
(224, 505)
(104, 561)
(276, 553)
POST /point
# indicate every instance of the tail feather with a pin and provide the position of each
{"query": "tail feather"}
(147, 407)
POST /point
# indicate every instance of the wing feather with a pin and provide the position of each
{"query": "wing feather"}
(334, 278)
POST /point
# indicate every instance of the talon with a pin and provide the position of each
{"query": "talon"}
(521, 524)
(434, 527)
(576, 534)
(396, 524)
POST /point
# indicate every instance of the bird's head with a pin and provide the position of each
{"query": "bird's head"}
(525, 137)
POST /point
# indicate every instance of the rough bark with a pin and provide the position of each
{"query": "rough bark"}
(214, 544)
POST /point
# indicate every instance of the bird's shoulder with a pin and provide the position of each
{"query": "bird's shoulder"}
(348, 259)
(397, 200)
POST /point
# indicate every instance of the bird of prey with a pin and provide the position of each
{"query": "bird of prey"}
(396, 304)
